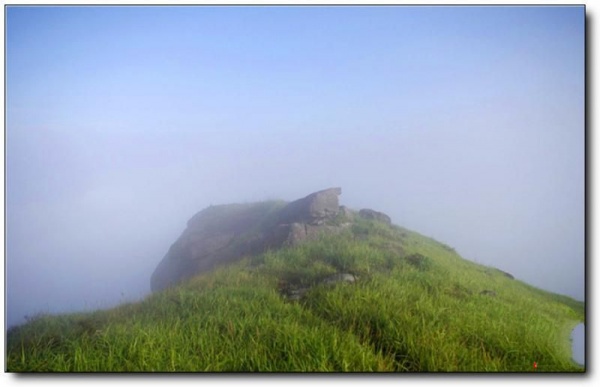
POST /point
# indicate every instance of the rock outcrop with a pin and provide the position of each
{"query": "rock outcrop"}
(212, 236)
(314, 209)
(222, 234)
(294, 292)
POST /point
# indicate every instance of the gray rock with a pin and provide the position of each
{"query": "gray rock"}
(222, 234)
(215, 235)
(367, 213)
(339, 277)
(297, 233)
(312, 209)
(297, 294)
(347, 214)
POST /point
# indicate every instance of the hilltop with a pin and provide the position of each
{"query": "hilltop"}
(223, 234)
(310, 286)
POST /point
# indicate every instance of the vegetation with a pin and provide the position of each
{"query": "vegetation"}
(416, 306)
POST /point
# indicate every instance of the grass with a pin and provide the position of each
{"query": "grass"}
(416, 307)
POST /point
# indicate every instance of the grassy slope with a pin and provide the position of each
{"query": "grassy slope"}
(415, 307)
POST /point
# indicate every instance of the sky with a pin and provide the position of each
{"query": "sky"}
(465, 124)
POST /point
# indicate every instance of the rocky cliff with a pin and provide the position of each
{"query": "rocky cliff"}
(222, 234)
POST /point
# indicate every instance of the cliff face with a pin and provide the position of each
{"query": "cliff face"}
(222, 234)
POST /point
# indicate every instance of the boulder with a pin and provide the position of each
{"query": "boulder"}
(297, 232)
(367, 213)
(222, 234)
(226, 233)
(346, 214)
(295, 292)
(339, 277)
(312, 209)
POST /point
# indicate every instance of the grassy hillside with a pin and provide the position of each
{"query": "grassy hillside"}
(415, 306)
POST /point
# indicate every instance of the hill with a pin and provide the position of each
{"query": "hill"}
(356, 294)
(223, 234)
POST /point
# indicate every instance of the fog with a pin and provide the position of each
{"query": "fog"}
(464, 124)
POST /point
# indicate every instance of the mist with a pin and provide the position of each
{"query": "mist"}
(465, 124)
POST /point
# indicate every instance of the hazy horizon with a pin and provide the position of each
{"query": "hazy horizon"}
(465, 124)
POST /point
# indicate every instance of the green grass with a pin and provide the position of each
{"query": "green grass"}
(416, 307)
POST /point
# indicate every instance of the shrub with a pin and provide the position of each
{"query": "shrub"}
(419, 261)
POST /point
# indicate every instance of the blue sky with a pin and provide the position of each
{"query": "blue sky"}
(463, 123)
